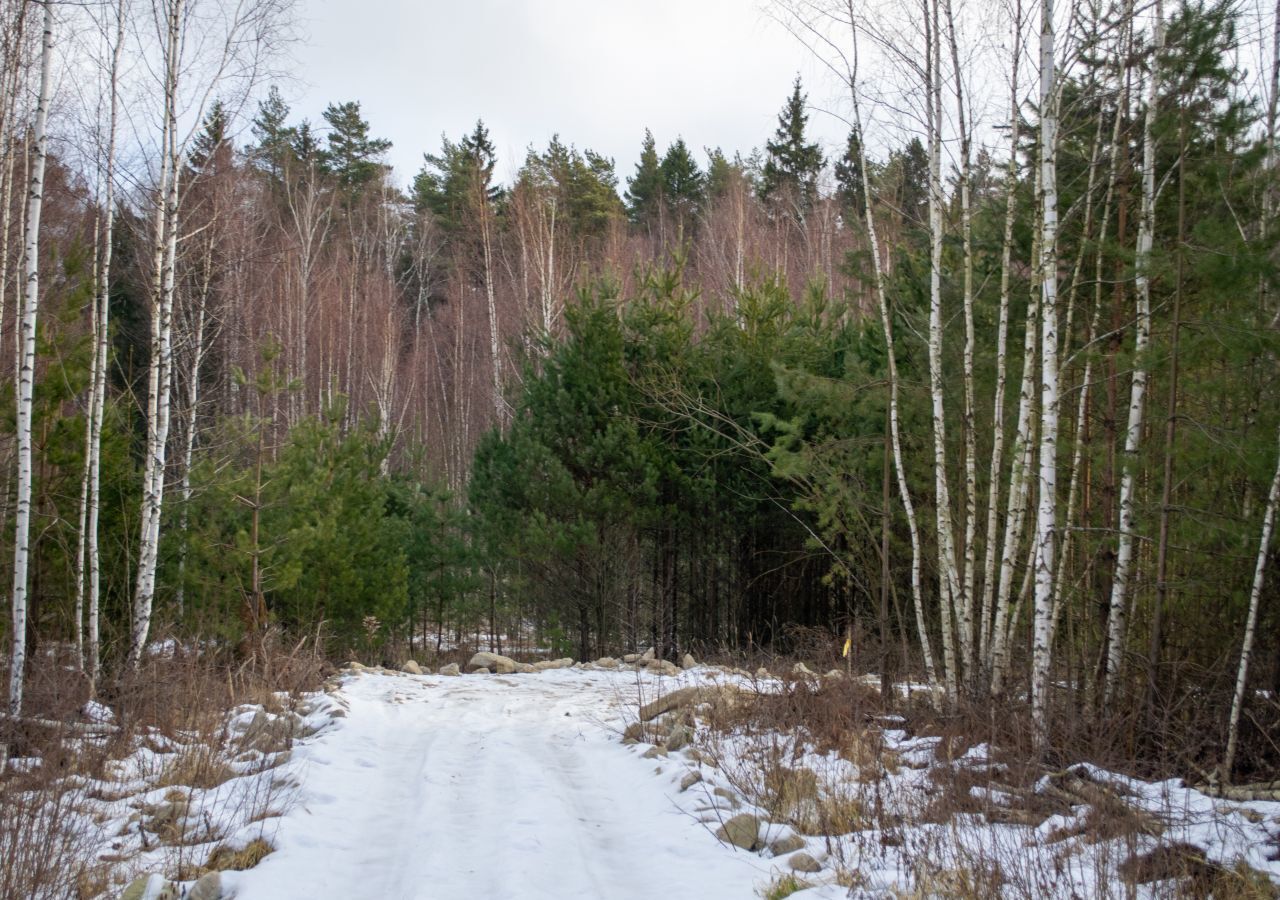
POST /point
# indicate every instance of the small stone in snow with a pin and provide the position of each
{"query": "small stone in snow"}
(803, 862)
(784, 845)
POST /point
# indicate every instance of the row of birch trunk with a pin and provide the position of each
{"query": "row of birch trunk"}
(968, 621)
(184, 71)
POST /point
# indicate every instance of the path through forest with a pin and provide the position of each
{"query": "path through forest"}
(501, 786)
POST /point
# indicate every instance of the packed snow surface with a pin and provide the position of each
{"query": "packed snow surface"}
(502, 786)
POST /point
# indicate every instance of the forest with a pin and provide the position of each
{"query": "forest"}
(990, 391)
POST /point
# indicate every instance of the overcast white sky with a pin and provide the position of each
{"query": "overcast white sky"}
(597, 71)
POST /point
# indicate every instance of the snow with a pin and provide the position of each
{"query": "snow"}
(423, 786)
(514, 786)
(97, 713)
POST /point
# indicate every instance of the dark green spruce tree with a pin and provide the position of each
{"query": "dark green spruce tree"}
(683, 185)
(792, 164)
(644, 189)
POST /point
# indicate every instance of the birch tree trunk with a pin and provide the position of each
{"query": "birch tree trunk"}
(1047, 511)
(27, 370)
(98, 375)
(965, 604)
(1019, 481)
(1002, 348)
(1117, 615)
(161, 366)
(82, 532)
(1251, 623)
(193, 415)
(949, 591)
(886, 322)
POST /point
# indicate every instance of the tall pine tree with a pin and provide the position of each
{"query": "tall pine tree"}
(352, 155)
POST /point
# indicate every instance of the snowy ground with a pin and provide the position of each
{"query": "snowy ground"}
(505, 786)
(402, 786)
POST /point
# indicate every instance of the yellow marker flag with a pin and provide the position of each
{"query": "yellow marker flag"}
(848, 643)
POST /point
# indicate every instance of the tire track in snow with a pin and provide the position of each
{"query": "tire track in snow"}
(509, 786)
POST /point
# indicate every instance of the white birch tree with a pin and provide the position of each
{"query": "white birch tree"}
(27, 365)
(1118, 607)
(1251, 622)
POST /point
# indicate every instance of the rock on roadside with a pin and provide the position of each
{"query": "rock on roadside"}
(784, 845)
(662, 667)
(803, 862)
(493, 662)
(674, 700)
(451, 669)
(150, 887)
(743, 830)
(208, 887)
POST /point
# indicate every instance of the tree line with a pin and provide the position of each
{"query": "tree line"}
(992, 393)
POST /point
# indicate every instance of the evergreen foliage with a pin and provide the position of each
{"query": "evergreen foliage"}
(792, 164)
(644, 189)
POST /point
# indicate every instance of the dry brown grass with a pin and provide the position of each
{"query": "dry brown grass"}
(199, 766)
(1197, 878)
(173, 701)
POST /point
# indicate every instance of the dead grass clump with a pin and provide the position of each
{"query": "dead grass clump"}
(832, 813)
(197, 766)
(188, 689)
(225, 858)
(978, 882)
(784, 886)
(866, 750)
(44, 841)
(827, 711)
(1197, 877)
(786, 789)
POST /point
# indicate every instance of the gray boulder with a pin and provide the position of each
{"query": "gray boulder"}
(503, 665)
(208, 887)
(803, 862)
(662, 667)
(687, 661)
(678, 739)
(784, 845)
(743, 830)
(412, 667)
(451, 669)
(606, 662)
(150, 887)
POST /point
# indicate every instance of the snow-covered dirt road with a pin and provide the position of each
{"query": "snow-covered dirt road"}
(500, 786)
